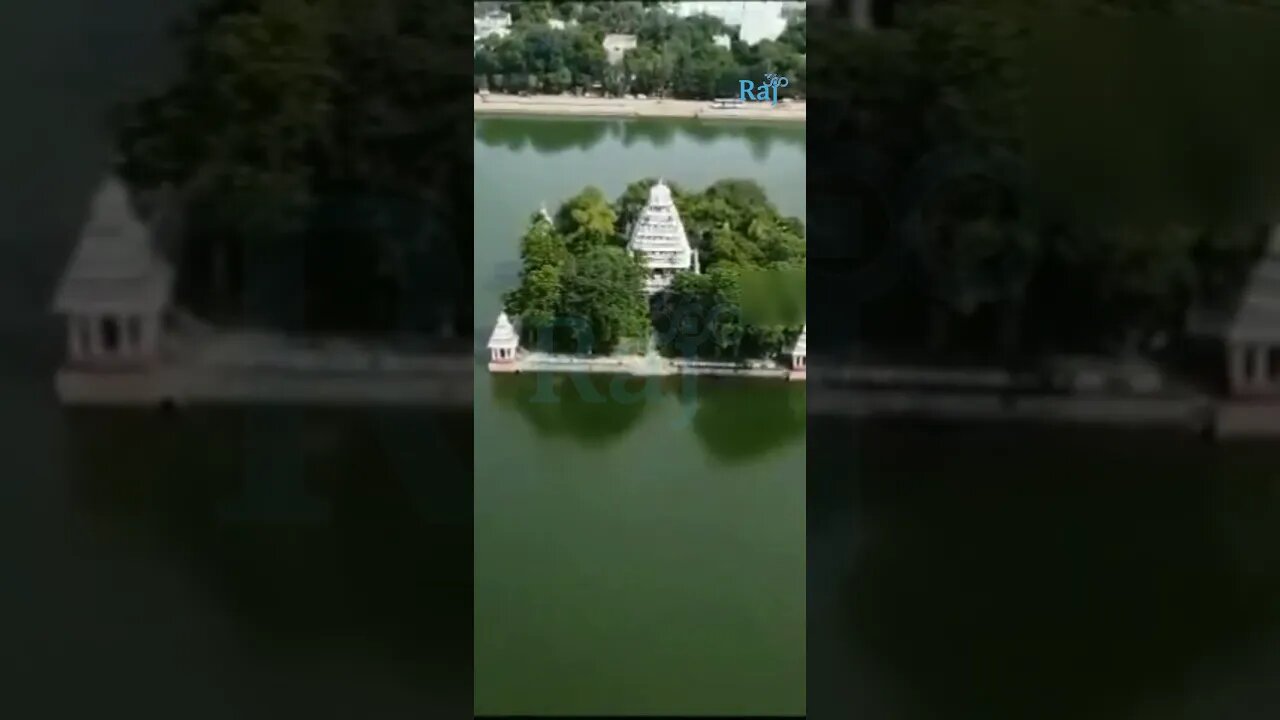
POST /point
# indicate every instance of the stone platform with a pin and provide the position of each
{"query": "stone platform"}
(200, 365)
(196, 386)
(642, 366)
(1242, 418)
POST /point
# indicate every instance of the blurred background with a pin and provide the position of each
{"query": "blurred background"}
(238, 561)
(1042, 431)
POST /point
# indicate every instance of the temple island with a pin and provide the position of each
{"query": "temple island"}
(668, 272)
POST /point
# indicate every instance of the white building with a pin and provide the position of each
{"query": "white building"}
(723, 41)
(498, 24)
(800, 352)
(755, 21)
(116, 290)
(616, 46)
(504, 341)
(1253, 335)
(658, 237)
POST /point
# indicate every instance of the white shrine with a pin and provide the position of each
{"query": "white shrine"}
(1253, 336)
(799, 352)
(658, 237)
(504, 342)
(116, 289)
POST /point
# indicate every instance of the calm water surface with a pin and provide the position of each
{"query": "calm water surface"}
(248, 562)
(1033, 572)
(633, 556)
(649, 553)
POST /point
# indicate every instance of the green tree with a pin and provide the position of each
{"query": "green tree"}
(605, 287)
(649, 71)
(673, 55)
(586, 221)
(239, 129)
(746, 247)
(537, 298)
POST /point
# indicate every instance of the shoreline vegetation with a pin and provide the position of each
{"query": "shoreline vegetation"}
(293, 139)
(639, 108)
(629, 48)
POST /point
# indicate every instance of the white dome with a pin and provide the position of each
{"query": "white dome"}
(114, 242)
(659, 195)
(111, 201)
(113, 267)
(504, 334)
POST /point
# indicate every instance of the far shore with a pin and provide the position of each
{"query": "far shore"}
(571, 105)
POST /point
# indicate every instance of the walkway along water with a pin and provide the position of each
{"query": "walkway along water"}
(853, 390)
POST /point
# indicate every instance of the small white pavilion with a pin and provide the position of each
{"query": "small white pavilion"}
(504, 341)
(799, 352)
(1253, 336)
(116, 289)
(658, 237)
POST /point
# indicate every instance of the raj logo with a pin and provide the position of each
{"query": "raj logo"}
(768, 90)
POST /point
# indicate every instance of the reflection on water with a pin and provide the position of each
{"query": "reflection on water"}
(581, 407)
(635, 554)
(319, 531)
(554, 135)
(734, 420)
(741, 420)
(1005, 572)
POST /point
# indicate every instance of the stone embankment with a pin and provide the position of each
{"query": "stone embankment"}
(642, 366)
(200, 364)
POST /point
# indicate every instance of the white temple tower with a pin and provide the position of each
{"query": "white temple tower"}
(503, 344)
(658, 238)
(116, 289)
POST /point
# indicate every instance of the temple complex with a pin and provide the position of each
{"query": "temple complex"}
(116, 289)
(658, 238)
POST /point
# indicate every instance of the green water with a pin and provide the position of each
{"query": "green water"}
(643, 554)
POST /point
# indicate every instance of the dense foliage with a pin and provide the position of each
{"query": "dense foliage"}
(988, 194)
(316, 159)
(674, 56)
(747, 302)
(580, 291)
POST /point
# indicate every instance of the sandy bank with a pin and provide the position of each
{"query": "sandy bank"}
(632, 108)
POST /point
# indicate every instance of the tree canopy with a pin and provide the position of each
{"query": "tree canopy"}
(674, 56)
(316, 160)
(1002, 204)
(579, 290)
